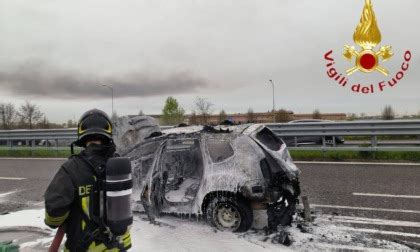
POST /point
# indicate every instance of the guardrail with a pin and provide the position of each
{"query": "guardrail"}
(38, 134)
(326, 131)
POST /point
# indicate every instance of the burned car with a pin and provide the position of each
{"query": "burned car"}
(220, 173)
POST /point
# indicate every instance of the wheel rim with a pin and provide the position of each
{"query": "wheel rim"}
(227, 217)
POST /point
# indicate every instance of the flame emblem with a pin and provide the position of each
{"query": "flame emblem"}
(367, 35)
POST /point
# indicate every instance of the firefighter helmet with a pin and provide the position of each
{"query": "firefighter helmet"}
(93, 122)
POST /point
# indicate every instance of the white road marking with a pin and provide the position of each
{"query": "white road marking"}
(387, 195)
(367, 209)
(341, 247)
(356, 163)
(7, 193)
(375, 231)
(11, 178)
(370, 221)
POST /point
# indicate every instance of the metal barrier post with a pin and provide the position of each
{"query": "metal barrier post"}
(32, 147)
(11, 148)
(324, 145)
(374, 141)
(374, 144)
(56, 147)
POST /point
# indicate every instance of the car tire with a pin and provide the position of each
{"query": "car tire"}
(230, 213)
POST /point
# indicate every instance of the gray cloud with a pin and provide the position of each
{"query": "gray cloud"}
(233, 46)
(36, 78)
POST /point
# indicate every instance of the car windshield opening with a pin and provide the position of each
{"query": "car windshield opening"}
(267, 137)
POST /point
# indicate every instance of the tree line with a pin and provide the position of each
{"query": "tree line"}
(173, 113)
(26, 116)
(387, 113)
(29, 115)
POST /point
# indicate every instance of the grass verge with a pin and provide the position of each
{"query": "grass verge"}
(307, 155)
(381, 138)
(298, 155)
(37, 153)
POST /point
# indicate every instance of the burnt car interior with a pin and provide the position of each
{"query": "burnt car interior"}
(182, 169)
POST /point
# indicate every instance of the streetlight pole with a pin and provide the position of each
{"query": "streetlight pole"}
(112, 97)
(274, 106)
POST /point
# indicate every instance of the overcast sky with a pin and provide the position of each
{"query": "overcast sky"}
(57, 53)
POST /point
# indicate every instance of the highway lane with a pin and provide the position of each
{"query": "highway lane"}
(363, 196)
(366, 192)
(363, 186)
(25, 181)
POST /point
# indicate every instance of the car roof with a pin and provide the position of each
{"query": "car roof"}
(201, 131)
(238, 129)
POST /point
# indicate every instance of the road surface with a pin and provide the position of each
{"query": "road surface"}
(382, 200)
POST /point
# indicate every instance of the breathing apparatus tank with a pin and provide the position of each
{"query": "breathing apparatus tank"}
(118, 188)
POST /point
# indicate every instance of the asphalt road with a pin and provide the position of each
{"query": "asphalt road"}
(23, 182)
(366, 197)
(372, 196)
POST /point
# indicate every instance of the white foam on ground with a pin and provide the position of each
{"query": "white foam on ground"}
(176, 234)
(44, 242)
(32, 217)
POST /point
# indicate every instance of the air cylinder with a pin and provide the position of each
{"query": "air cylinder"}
(118, 187)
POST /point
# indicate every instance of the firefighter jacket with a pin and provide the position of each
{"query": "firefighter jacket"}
(69, 201)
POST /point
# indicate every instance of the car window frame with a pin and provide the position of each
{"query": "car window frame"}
(224, 160)
(165, 149)
(255, 137)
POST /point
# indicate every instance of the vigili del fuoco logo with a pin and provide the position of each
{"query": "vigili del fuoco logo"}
(367, 60)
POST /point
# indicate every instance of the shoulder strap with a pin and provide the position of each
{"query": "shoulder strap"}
(88, 163)
(72, 148)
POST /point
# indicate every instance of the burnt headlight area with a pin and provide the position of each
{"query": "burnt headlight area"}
(265, 169)
(257, 189)
(272, 172)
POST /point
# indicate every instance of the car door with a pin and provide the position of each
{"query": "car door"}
(181, 165)
(152, 193)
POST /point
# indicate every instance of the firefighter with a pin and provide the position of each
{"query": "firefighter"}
(72, 199)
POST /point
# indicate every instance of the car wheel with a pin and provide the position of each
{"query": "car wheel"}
(229, 213)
